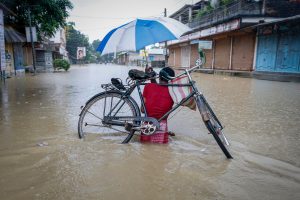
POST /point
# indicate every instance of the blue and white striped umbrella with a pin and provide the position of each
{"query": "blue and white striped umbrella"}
(139, 33)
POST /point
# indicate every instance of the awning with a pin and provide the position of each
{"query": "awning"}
(13, 36)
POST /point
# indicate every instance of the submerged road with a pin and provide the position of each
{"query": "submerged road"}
(41, 156)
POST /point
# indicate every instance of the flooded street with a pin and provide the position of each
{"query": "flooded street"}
(41, 156)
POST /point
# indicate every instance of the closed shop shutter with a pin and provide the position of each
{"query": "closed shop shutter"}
(222, 53)
(288, 54)
(243, 52)
(279, 52)
(18, 56)
(177, 57)
(266, 53)
(171, 59)
(185, 56)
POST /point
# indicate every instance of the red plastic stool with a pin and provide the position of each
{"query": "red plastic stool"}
(161, 136)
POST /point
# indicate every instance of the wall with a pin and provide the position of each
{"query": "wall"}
(194, 55)
(9, 62)
(243, 46)
(209, 56)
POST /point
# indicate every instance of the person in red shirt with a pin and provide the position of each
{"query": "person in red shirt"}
(158, 102)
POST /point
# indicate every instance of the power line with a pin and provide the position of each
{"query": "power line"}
(115, 18)
(94, 17)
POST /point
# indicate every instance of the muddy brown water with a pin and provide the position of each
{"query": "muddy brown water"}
(41, 156)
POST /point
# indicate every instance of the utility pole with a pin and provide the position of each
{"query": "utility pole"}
(31, 39)
(166, 45)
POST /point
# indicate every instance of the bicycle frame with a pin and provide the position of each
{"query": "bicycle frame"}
(138, 85)
(145, 124)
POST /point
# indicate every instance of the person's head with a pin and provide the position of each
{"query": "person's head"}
(80, 54)
(165, 73)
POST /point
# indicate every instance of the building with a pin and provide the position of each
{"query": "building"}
(278, 46)
(14, 55)
(3, 11)
(189, 12)
(129, 58)
(155, 58)
(58, 43)
(233, 30)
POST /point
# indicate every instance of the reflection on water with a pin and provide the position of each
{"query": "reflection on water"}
(261, 119)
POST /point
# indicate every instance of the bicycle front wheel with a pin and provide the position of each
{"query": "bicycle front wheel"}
(212, 124)
(91, 120)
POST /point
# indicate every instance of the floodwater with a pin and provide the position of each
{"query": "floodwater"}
(41, 156)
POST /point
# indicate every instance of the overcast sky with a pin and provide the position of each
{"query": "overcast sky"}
(95, 18)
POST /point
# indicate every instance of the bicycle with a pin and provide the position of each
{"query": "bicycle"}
(115, 110)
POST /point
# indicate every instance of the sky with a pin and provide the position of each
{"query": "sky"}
(95, 18)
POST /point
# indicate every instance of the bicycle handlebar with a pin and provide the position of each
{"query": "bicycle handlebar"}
(187, 71)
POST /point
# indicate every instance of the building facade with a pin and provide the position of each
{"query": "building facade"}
(236, 36)
(278, 46)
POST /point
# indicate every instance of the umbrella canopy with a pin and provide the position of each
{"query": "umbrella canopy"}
(139, 33)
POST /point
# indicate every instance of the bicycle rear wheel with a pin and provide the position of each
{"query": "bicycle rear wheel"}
(91, 120)
(212, 124)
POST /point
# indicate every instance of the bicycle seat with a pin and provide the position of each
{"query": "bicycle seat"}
(135, 74)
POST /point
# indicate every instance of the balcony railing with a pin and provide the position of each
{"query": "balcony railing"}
(235, 9)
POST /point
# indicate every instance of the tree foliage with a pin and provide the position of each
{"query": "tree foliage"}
(77, 39)
(61, 64)
(46, 15)
(95, 44)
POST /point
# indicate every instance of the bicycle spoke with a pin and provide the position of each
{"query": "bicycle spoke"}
(94, 115)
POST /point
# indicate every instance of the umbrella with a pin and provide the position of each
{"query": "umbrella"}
(139, 33)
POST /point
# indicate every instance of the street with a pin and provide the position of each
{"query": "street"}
(41, 156)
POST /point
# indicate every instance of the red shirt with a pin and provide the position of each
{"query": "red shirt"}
(158, 100)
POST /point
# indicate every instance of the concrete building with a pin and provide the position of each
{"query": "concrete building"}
(58, 43)
(50, 49)
(14, 55)
(234, 34)
(278, 46)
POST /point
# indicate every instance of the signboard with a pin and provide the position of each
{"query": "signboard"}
(143, 53)
(81, 53)
(33, 30)
(2, 44)
(48, 59)
(221, 28)
(204, 44)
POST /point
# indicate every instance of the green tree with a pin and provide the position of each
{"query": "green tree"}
(95, 44)
(46, 15)
(77, 39)
(97, 54)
